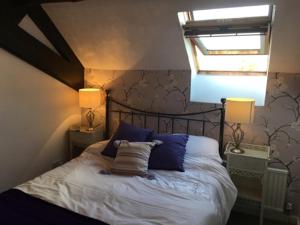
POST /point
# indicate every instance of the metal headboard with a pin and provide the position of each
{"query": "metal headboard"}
(172, 116)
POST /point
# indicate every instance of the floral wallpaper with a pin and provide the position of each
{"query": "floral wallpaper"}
(276, 124)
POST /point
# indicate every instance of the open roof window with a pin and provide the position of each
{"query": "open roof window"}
(230, 39)
(230, 13)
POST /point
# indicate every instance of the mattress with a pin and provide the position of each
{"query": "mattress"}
(204, 194)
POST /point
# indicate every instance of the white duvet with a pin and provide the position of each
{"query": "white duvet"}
(202, 195)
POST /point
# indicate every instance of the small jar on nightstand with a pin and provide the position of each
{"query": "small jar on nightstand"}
(79, 139)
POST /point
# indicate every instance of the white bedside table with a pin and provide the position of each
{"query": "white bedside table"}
(248, 172)
(79, 139)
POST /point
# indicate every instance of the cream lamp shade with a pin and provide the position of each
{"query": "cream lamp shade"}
(89, 98)
(240, 110)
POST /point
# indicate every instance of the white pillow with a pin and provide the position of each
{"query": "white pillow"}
(200, 146)
(96, 148)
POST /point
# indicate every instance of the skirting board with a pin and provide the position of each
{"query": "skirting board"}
(252, 208)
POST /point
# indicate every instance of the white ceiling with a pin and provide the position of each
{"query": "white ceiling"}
(143, 34)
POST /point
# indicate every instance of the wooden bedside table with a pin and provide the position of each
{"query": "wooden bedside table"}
(248, 172)
(79, 139)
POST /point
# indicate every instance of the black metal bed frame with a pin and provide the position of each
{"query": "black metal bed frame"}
(172, 116)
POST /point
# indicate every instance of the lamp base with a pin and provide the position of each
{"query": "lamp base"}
(237, 151)
(237, 136)
(90, 129)
(90, 116)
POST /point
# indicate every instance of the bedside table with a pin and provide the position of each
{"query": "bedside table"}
(79, 139)
(248, 172)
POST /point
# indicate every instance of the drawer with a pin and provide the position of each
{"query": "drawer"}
(240, 162)
(81, 137)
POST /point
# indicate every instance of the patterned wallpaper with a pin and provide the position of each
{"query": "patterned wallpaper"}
(277, 124)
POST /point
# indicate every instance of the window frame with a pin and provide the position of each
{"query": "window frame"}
(264, 43)
(260, 25)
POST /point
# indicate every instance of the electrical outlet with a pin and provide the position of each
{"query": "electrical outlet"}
(57, 164)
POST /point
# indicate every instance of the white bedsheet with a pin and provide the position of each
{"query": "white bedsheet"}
(203, 195)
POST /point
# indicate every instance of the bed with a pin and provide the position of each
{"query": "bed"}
(78, 193)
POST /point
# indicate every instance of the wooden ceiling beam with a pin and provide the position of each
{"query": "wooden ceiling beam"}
(65, 66)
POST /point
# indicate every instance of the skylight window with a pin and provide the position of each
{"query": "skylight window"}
(229, 13)
(231, 42)
(232, 63)
(230, 39)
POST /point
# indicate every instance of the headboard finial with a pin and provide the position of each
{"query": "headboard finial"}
(223, 101)
(108, 92)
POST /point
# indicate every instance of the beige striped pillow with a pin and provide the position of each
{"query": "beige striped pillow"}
(132, 158)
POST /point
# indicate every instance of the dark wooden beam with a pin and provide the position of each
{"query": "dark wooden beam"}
(11, 13)
(45, 24)
(42, 1)
(26, 47)
(65, 67)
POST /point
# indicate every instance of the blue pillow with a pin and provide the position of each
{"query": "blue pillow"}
(127, 132)
(170, 154)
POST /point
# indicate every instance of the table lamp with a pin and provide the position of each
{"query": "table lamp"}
(238, 111)
(89, 98)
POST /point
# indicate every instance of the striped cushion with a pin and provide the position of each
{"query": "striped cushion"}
(132, 158)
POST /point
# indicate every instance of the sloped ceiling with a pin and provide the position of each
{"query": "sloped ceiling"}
(143, 34)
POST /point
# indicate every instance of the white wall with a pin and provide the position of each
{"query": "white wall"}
(143, 34)
(35, 113)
